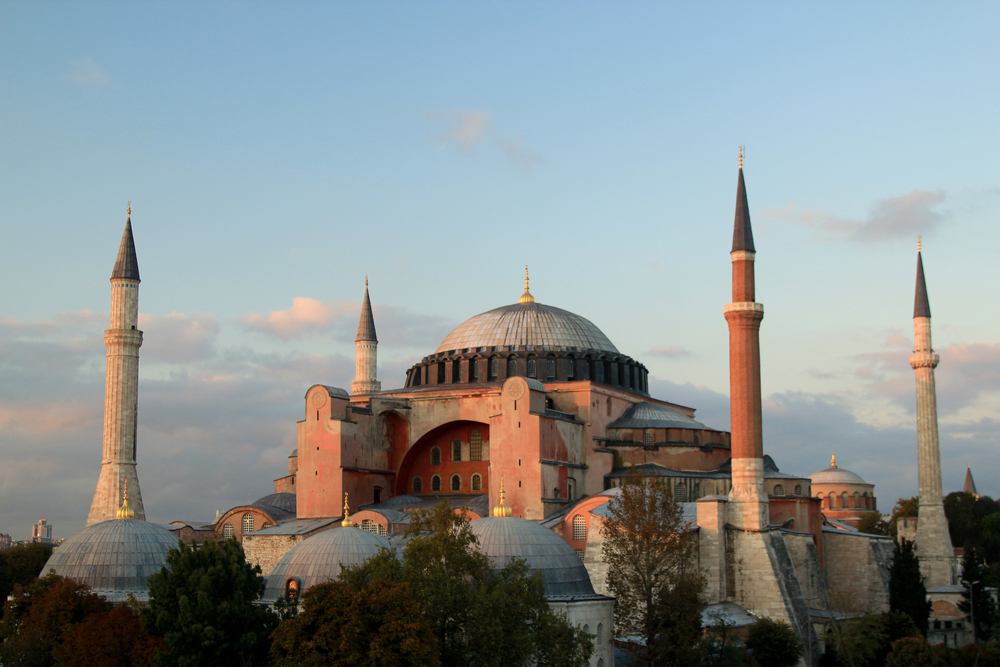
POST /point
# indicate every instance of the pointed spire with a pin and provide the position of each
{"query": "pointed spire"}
(366, 325)
(526, 297)
(921, 305)
(502, 509)
(346, 523)
(970, 485)
(126, 265)
(742, 233)
(125, 512)
(833, 460)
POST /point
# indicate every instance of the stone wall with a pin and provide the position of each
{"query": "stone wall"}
(267, 550)
(857, 571)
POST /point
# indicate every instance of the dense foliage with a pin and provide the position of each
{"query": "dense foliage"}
(773, 643)
(202, 606)
(907, 593)
(651, 554)
(21, 565)
(966, 514)
(866, 641)
(976, 601)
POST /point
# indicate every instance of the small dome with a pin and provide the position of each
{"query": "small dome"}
(835, 475)
(317, 559)
(527, 324)
(114, 557)
(503, 538)
(283, 501)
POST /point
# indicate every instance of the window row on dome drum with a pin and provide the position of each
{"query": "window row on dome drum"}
(625, 373)
(455, 484)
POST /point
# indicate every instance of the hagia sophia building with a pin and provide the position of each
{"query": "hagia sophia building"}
(527, 418)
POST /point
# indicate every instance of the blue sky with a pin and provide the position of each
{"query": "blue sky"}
(275, 154)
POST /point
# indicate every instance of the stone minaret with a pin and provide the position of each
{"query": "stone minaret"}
(366, 352)
(748, 508)
(933, 544)
(121, 387)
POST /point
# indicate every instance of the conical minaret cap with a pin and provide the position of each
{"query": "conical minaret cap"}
(366, 325)
(921, 305)
(126, 264)
(742, 233)
(970, 485)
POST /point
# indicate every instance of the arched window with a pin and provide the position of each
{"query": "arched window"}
(477, 483)
(474, 370)
(440, 372)
(550, 368)
(532, 367)
(456, 450)
(511, 367)
(292, 589)
(456, 371)
(247, 523)
(779, 490)
(588, 369)
(475, 445)
(579, 527)
(586, 628)
(843, 499)
(456, 483)
(227, 531)
(831, 501)
(621, 374)
(599, 638)
(696, 491)
(570, 368)
(369, 525)
(600, 662)
(681, 492)
(436, 483)
(435, 456)
(418, 485)
(494, 370)
(798, 489)
(416, 376)
(647, 439)
(855, 500)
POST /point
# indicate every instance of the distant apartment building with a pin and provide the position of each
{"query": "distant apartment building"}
(5, 541)
(41, 532)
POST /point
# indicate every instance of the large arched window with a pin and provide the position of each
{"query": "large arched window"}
(494, 370)
(681, 492)
(579, 527)
(417, 485)
(477, 483)
(227, 531)
(456, 450)
(779, 490)
(798, 489)
(599, 638)
(456, 483)
(843, 499)
(435, 456)
(570, 368)
(511, 367)
(474, 370)
(550, 368)
(436, 483)
(247, 523)
(532, 367)
(475, 445)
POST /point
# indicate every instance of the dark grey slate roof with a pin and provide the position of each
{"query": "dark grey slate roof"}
(535, 385)
(652, 415)
(921, 305)
(479, 503)
(297, 526)
(742, 233)
(504, 538)
(527, 324)
(317, 559)
(114, 557)
(126, 264)
(335, 392)
(282, 501)
(366, 324)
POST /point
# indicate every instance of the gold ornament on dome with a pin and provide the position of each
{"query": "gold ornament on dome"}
(346, 523)
(526, 297)
(502, 509)
(125, 512)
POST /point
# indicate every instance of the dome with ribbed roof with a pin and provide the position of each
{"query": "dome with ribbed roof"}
(524, 324)
(504, 538)
(114, 557)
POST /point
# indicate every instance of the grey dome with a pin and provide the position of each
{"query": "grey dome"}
(283, 501)
(835, 475)
(114, 557)
(503, 538)
(317, 559)
(652, 415)
(527, 324)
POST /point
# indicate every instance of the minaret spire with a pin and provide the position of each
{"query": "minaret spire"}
(121, 389)
(366, 351)
(748, 501)
(933, 542)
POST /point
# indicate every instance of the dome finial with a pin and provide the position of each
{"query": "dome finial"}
(833, 460)
(125, 512)
(502, 509)
(346, 523)
(526, 297)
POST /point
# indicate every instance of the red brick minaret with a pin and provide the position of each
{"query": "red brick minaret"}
(748, 501)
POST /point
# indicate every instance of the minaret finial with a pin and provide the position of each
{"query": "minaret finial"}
(833, 460)
(502, 509)
(130, 208)
(526, 297)
(346, 523)
(366, 282)
(918, 243)
(741, 157)
(125, 512)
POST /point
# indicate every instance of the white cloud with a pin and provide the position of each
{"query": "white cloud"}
(669, 351)
(467, 131)
(305, 316)
(88, 73)
(178, 337)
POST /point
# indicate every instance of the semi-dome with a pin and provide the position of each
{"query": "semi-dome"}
(283, 501)
(523, 324)
(114, 557)
(318, 559)
(502, 538)
(835, 475)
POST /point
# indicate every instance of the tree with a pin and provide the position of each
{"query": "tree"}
(911, 652)
(202, 606)
(873, 524)
(21, 565)
(116, 638)
(480, 616)
(976, 601)
(907, 593)
(651, 554)
(904, 508)
(379, 625)
(866, 641)
(773, 643)
(965, 515)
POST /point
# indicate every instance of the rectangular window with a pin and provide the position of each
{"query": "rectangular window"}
(456, 450)
(475, 445)
(569, 369)
(550, 368)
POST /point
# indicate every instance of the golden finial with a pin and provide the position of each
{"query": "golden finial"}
(833, 460)
(526, 297)
(502, 509)
(918, 243)
(346, 523)
(741, 157)
(125, 512)
(366, 282)
(130, 208)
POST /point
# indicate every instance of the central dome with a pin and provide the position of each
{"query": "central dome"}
(527, 324)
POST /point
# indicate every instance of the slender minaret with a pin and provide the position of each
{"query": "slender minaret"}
(366, 352)
(121, 388)
(933, 543)
(748, 501)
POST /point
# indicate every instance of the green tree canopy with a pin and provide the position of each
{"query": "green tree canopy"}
(866, 641)
(907, 593)
(651, 553)
(965, 515)
(203, 608)
(21, 565)
(773, 643)
(911, 652)
(976, 601)
(873, 524)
